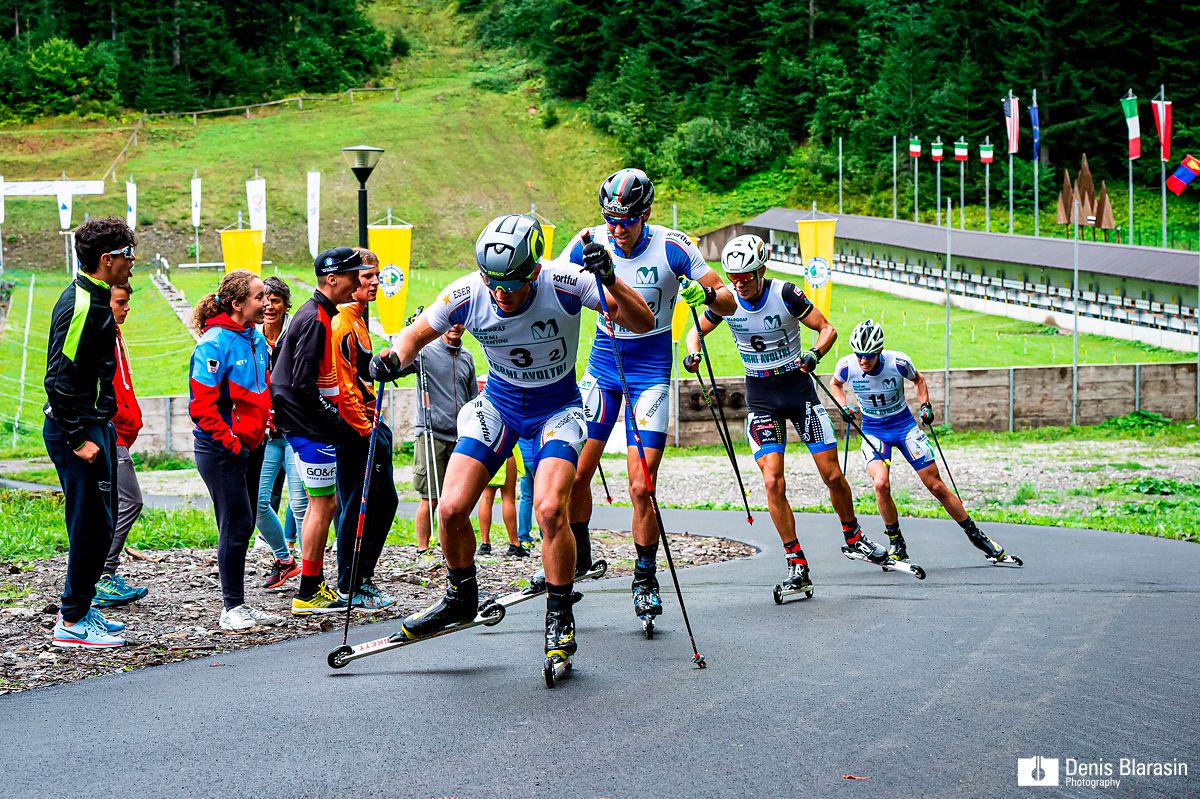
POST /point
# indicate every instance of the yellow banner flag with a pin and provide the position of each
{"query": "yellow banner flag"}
(816, 252)
(679, 320)
(548, 232)
(393, 245)
(242, 249)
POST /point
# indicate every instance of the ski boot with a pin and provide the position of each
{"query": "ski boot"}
(646, 602)
(458, 606)
(991, 550)
(798, 582)
(898, 550)
(560, 644)
(859, 547)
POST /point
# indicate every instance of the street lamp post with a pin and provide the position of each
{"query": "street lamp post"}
(362, 160)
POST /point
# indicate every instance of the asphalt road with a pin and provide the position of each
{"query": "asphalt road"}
(930, 688)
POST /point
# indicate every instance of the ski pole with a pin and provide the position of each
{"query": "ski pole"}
(887, 462)
(603, 482)
(362, 509)
(722, 426)
(430, 447)
(697, 658)
(949, 474)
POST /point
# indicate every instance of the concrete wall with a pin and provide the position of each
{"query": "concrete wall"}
(1017, 398)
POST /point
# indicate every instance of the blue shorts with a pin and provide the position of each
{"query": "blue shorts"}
(647, 365)
(902, 432)
(316, 463)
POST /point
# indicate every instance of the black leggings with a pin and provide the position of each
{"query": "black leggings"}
(233, 485)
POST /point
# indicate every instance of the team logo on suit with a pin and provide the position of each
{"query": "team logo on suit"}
(544, 330)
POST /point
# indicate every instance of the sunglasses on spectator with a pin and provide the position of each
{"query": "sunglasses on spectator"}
(127, 251)
(622, 221)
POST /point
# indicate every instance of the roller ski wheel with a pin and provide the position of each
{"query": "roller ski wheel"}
(781, 592)
(557, 666)
(798, 582)
(889, 565)
(338, 657)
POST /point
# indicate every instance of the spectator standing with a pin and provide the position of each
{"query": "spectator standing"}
(112, 590)
(449, 372)
(231, 404)
(80, 403)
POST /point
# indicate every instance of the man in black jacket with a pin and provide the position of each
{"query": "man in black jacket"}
(79, 436)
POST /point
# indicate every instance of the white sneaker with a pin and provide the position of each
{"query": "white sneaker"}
(237, 619)
(264, 618)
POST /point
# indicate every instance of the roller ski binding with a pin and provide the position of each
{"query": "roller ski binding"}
(560, 645)
(647, 604)
(869, 552)
(798, 582)
(990, 549)
(537, 583)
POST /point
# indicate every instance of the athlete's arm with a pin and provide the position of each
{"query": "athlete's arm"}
(413, 338)
(826, 332)
(724, 303)
(922, 388)
(627, 308)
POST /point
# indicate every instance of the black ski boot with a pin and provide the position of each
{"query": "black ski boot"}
(459, 605)
(868, 549)
(992, 550)
(898, 549)
(646, 601)
(798, 579)
(560, 633)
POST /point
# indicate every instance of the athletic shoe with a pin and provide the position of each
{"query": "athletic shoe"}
(280, 573)
(90, 632)
(369, 598)
(516, 551)
(426, 560)
(120, 581)
(111, 626)
(243, 617)
(484, 549)
(323, 601)
(872, 552)
(112, 591)
(898, 549)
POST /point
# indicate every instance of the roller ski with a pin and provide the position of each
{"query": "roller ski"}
(868, 551)
(647, 604)
(798, 582)
(560, 643)
(449, 615)
(991, 550)
(537, 583)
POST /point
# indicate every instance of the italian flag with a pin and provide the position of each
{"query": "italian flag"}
(1129, 108)
(960, 151)
(986, 153)
(935, 149)
(914, 147)
(1162, 120)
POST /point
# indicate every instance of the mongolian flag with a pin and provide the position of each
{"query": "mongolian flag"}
(1184, 175)
(935, 149)
(1036, 126)
(961, 153)
(1012, 121)
(1129, 109)
(914, 147)
(987, 153)
(1162, 121)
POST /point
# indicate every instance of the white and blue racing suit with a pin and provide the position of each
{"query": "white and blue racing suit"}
(886, 420)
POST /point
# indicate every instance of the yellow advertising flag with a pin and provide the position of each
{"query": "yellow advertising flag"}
(816, 252)
(548, 233)
(242, 249)
(393, 245)
(679, 320)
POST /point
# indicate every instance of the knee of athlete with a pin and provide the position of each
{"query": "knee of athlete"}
(551, 514)
(639, 495)
(775, 485)
(453, 514)
(883, 483)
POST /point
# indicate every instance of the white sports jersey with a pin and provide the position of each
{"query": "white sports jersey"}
(533, 348)
(880, 394)
(660, 260)
(768, 335)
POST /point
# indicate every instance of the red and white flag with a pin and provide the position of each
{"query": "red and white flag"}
(1012, 121)
(935, 149)
(1129, 109)
(1162, 121)
(914, 147)
(961, 153)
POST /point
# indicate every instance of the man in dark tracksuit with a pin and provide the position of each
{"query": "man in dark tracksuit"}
(79, 436)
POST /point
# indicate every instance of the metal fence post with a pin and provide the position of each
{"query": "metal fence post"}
(1011, 396)
(167, 434)
(1137, 386)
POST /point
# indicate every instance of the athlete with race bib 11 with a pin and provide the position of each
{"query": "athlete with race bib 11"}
(877, 377)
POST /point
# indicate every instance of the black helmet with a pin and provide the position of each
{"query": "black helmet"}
(626, 192)
(510, 247)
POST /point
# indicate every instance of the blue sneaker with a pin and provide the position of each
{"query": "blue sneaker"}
(112, 591)
(90, 632)
(111, 626)
(141, 591)
(370, 598)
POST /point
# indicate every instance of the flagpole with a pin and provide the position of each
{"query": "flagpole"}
(946, 377)
(1129, 233)
(895, 168)
(1075, 315)
(839, 174)
(1012, 111)
(938, 162)
(962, 189)
(1130, 95)
(1162, 95)
(987, 191)
(1037, 136)
(916, 190)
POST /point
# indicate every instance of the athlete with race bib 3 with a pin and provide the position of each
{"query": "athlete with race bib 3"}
(654, 260)
(877, 377)
(526, 318)
(767, 328)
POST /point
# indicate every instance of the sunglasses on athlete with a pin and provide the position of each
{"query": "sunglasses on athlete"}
(743, 277)
(622, 221)
(505, 286)
(127, 251)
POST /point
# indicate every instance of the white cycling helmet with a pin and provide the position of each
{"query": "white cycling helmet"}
(744, 254)
(867, 338)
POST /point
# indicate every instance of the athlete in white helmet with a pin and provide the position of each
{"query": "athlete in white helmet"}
(877, 377)
(766, 326)
(526, 317)
(653, 260)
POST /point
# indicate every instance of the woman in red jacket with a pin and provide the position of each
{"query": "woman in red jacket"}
(112, 590)
(231, 406)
